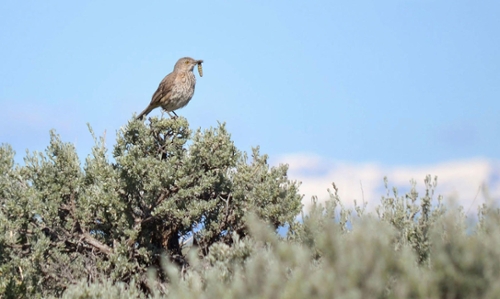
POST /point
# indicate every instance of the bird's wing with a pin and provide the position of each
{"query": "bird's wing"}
(164, 89)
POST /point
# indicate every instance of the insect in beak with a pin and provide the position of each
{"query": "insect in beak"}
(200, 69)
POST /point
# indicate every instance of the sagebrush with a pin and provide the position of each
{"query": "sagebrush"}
(182, 214)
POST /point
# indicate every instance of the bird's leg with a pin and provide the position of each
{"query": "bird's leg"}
(173, 113)
(163, 110)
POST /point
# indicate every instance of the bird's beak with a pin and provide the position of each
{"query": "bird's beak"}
(199, 61)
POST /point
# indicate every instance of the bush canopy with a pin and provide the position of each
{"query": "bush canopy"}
(182, 214)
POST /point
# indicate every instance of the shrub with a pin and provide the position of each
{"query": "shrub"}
(167, 189)
(177, 214)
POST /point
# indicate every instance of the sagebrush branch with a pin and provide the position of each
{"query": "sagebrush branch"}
(92, 241)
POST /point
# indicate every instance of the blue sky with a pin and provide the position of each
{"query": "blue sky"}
(407, 82)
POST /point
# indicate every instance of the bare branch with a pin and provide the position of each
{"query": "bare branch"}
(94, 242)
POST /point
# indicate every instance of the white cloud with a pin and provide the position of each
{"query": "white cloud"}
(457, 180)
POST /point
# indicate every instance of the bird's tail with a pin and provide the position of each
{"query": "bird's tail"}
(145, 112)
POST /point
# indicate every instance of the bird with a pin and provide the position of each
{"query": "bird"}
(176, 89)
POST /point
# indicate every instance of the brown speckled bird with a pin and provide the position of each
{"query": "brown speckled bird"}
(176, 89)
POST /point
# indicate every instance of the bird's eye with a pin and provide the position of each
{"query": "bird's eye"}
(186, 62)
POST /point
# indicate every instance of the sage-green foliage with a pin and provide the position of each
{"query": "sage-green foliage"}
(167, 189)
(187, 215)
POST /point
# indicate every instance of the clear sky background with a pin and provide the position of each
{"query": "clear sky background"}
(402, 84)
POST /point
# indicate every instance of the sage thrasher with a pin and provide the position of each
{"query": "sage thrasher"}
(176, 89)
